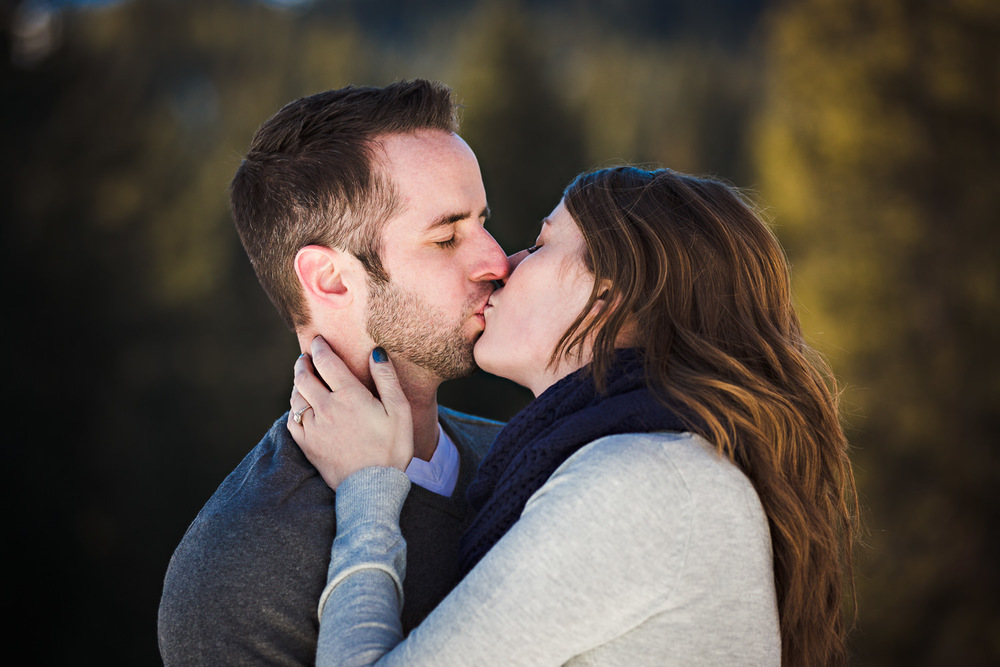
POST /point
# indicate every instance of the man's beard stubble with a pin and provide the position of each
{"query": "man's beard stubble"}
(411, 329)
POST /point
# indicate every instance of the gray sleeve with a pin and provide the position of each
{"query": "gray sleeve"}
(360, 607)
(580, 568)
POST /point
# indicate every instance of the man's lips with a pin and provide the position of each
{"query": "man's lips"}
(488, 302)
(480, 312)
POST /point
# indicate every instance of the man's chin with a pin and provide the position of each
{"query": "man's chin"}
(448, 366)
(463, 370)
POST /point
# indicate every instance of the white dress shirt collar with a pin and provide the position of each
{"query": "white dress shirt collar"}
(440, 474)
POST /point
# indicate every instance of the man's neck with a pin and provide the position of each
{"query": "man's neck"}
(424, 409)
(419, 386)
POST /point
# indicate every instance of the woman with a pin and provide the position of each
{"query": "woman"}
(679, 490)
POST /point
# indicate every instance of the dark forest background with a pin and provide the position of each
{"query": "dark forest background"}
(143, 361)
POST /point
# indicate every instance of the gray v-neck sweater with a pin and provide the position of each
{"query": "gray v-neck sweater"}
(242, 586)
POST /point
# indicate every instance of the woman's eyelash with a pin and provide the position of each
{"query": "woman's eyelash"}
(533, 248)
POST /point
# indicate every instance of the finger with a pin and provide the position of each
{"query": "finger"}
(331, 368)
(387, 382)
(297, 401)
(302, 365)
(309, 387)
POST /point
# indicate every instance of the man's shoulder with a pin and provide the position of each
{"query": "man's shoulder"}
(273, 489)
(456, 416)
(257, 549)
(469, 432)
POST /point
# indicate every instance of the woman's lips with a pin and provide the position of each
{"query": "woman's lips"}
(489, 306)
(480, 314)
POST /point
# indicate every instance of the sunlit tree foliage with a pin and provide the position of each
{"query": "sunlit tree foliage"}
(879, 151)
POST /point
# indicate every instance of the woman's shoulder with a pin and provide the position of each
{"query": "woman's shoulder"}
(683, 451)
(669, 464)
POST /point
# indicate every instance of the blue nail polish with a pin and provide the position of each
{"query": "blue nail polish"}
(379, 355)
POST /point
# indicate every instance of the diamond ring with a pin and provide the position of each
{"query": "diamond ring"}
(297, 416)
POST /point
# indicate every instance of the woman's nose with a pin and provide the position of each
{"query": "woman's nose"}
(515, 259)
(512, 262)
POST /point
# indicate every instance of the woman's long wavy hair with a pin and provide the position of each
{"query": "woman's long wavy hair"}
(688, 271)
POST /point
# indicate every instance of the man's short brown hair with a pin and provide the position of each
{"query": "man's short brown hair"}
(311, 177)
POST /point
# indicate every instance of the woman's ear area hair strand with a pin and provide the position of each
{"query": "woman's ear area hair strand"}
(603, 290)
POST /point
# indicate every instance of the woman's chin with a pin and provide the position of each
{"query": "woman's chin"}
(489, 360)
(483, 359)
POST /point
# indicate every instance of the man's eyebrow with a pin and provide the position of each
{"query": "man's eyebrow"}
(452, 218)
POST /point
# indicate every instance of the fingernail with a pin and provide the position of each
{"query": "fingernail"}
(379, 355)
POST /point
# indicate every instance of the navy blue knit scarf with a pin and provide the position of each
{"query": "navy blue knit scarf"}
(567, 416)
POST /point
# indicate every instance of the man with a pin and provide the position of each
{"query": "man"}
(362, 212)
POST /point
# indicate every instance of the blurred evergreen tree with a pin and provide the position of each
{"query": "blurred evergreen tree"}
(879, 151)
(681, 104)
(163, 361)
(529, 142)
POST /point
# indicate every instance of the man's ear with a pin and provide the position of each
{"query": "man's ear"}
(327, 275)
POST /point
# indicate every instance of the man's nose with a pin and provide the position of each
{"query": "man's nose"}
(493, 264)
(512, 262)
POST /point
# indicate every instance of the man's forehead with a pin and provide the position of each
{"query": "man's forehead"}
(436, 178)
(413, 150)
